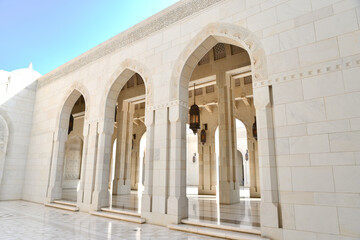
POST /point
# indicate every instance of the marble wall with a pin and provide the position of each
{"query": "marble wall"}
(17, 98)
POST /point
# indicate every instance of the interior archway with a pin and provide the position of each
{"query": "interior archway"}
(125, 120)
(220, 83)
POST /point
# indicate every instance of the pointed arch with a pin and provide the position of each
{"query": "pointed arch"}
(118, 79)
(203, 42)
(71, 96)
(60, 137)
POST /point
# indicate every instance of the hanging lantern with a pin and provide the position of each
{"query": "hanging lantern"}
(194, 116)
(254, 130)
(71, 124)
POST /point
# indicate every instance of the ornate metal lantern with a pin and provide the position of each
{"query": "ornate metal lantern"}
(194, 116)
(254, 130)
(71, 124)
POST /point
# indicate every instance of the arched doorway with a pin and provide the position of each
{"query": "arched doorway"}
(200, 45)
(221, 85)
(124, 121)
(66, 164)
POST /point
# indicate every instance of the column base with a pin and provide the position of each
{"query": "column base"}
(254, 193)
(229, 192)
(160, 218)
(178, 208)
(146, 201)
(54, 193)
(80, 196)
(207, 191)
(100, 199)
(269, 215)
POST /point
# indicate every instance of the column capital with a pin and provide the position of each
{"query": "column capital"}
(178, 111)
(149, 118)
(106, 126)
(262, 97)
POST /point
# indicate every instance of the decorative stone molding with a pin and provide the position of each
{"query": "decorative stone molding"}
(311, 71)
(205, 40)
(168, 104)
(159, 21)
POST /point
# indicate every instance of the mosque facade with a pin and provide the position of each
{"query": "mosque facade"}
(247, 103)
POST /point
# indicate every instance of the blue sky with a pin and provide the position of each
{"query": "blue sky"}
(49, 33)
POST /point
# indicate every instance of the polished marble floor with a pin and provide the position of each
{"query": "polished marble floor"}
(245, 214)
(204, 208)
(25, 220)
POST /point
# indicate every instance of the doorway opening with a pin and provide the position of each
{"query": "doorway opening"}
(128, 151)
(228, 170)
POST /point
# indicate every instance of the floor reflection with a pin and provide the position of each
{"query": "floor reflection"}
(246, 213)
(204, 208)
(130, 202)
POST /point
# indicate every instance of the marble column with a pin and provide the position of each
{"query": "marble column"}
(146, 200)
(80, 193)
(160, 164)
(101, 193)
(228, 183)
(207, 167)
(122, 180)
(177, 201)
(89, 165)
(254, 169)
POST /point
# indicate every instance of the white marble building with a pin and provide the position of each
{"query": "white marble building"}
(303, 59)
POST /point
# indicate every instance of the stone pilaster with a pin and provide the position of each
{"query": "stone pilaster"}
(89, 165)
(177, 201)
(100, 195)
(54, 187)
(269, 192)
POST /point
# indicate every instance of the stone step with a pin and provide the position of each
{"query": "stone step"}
(117, 216)
(65, 202)
(214, 232)
(120, 211)
(242, 229)
(63, 207)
